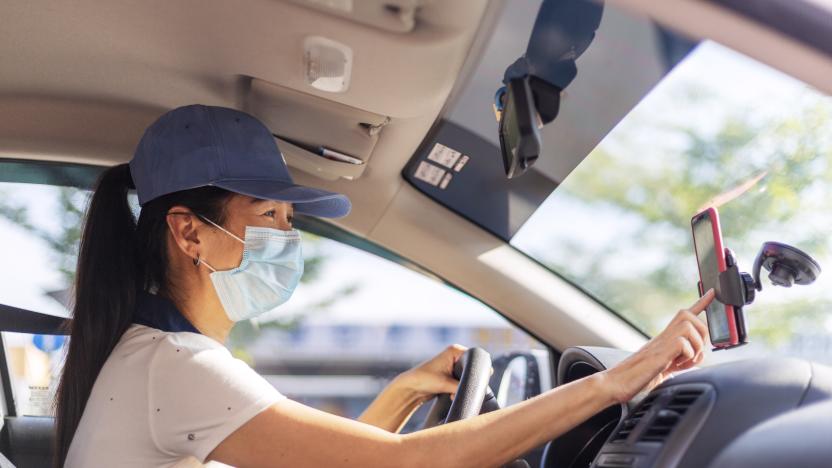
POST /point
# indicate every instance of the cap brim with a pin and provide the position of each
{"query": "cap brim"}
(306, 200)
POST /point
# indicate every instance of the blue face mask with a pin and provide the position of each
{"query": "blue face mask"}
(267, 276)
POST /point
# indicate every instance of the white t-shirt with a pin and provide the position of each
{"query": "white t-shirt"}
(166, 399)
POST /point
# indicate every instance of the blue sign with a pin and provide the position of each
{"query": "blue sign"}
(48, 343)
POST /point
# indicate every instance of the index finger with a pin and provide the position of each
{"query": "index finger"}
(703, 302)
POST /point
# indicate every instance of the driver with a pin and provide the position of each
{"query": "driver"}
(147, 380)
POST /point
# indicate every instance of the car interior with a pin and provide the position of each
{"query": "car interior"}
(366, 98)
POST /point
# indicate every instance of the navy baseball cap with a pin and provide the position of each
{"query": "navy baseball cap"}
(197, 146)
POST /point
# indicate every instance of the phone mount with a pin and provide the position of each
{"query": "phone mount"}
(786, 265)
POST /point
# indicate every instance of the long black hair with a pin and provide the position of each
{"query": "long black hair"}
(118, 257)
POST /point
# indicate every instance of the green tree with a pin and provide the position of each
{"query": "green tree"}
(772, 180)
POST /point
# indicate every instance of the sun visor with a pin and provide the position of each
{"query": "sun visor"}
(464, 172)
(318, 136)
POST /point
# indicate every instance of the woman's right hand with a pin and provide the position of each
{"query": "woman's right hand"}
(291, 434)
(681, 345)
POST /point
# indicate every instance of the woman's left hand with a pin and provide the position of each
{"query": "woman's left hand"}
(433, 376)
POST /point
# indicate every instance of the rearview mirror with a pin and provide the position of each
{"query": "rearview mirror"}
(534, 82)
(519, 136)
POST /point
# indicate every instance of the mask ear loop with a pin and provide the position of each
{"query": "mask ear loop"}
(198, 261)
(221, 228)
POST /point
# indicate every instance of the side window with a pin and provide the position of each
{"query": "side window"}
(35, 363)
(357, 320)
(39, 229)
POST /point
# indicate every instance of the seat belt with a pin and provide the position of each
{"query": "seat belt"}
(15, 319)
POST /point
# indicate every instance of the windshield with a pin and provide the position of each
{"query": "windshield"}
(720, 129)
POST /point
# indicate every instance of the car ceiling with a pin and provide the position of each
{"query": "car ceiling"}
(81, 80)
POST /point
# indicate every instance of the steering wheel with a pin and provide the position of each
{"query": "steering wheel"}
(473, 395)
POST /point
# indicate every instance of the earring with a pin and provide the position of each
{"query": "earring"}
(197, 261)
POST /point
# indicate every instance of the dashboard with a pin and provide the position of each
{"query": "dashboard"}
(759, 412)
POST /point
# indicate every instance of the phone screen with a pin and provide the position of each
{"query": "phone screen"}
(703, 240)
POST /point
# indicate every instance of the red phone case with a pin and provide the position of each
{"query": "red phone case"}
(720, 260)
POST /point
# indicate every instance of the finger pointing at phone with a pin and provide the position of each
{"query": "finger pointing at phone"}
(681, 345)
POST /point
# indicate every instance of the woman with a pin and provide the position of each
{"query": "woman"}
(147, 381)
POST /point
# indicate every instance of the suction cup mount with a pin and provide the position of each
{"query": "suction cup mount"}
(786, 265)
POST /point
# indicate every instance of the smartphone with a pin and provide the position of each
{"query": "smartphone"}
(710, 256)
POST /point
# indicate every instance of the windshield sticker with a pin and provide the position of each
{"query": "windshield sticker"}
(443, 155)
(429, 173)
(462, 161)
(445, 181)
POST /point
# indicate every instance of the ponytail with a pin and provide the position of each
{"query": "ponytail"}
(105, 296)
(119, 256)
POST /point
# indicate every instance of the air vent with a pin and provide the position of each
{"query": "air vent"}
(633, 419)
(667, 417)
(682, 400)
